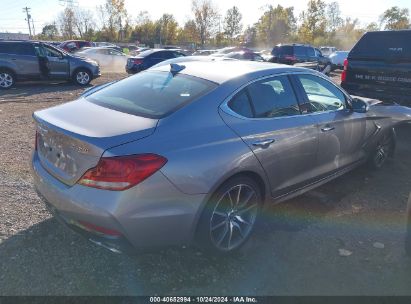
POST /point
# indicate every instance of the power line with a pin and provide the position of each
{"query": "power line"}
(27, 10)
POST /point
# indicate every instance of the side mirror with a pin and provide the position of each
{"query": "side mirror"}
(359, 106)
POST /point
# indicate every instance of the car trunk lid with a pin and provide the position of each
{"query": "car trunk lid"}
(72, 137)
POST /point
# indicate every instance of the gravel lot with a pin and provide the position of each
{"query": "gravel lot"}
(344, 238)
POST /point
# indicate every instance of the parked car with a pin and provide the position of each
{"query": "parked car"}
(204, 52)
(337, 59)
(108, 45)
(31, 60)
(230, 49)
(195, 150)
(109, 59)
(242, 55)
(300, 55)
(148, 58)
(379, 66)
(192, 58)
(74, 45)
(327, 50)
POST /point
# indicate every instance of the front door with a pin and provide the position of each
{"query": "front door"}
(341, 131)
(267, 117)
(57, 63)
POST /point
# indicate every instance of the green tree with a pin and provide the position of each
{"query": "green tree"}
(275, 25)
(371, 27)
(50, 31)
(396, 18)
(188, 35)
(232, 22)
(334, 19)
(167, 29)
(313, 21)
(205, 18)
(113, 15)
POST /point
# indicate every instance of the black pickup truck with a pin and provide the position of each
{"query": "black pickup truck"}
(379, 66)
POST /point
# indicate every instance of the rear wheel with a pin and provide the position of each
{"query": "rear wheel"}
(383, 150)
(230, 216)
(82, 77)
(6, 79)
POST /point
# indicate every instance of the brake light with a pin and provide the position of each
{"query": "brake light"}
(292, 58)
(344, 72)
(137, 61)
(121, 173)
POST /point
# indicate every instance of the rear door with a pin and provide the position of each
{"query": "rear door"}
(267, 117)
(381, 62)
(341, 131)
(24, 57)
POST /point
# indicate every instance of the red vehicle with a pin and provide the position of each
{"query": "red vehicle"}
(74, 45)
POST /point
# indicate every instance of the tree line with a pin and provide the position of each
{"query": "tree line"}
(319, 24)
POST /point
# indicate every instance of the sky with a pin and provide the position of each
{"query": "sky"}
(12, 18)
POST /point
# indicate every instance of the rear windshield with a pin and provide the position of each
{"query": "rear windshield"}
(151, 94)
(383, 45)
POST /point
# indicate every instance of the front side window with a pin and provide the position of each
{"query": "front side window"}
(151, 94)
(322, 95)
(49, 52)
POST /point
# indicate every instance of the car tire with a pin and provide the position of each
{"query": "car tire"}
(408, 233)
(230, 216)
(383, 150)
(7, 79)
(82, 77)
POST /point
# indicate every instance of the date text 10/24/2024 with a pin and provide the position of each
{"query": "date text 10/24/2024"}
(204, 299)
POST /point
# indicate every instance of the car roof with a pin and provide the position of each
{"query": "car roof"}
(225, 70)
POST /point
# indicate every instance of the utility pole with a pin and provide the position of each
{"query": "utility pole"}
(32, 23)
(27, 10)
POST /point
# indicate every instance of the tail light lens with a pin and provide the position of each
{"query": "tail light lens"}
(292, 58)
(121, 173)
(137, 61)
(344, 72)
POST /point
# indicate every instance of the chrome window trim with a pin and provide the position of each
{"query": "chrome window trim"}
(226, 109)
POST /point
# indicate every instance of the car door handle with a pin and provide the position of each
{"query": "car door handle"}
(327, 129)
(264, 143)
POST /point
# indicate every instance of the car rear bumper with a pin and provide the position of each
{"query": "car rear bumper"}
(152, 214)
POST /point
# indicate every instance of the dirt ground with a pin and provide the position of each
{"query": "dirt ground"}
(344, 238)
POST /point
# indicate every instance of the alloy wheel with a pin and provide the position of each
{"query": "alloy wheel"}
(383, 151)
(6, 80)
(233, 217)
(83, 77)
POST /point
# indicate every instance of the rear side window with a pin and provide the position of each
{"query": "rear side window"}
(383, 45)
(17, 49)
(151, 94)
(240, 104)
(283, 50)
(300, 51)
(273, 97)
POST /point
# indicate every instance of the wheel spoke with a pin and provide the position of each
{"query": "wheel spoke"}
(239, 229)
(223, 235)
(231, 199)
(231, 234)
(220, 213)
(249, 208)
(218, 225)
(238, 196)
(241, 220)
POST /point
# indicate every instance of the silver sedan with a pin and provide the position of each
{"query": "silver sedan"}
(192, 152)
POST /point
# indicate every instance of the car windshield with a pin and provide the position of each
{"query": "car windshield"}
(151, 94)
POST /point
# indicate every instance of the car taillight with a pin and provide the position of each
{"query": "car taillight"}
(344, 72)
(292, 58)
(121, 173)
(137, 61)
